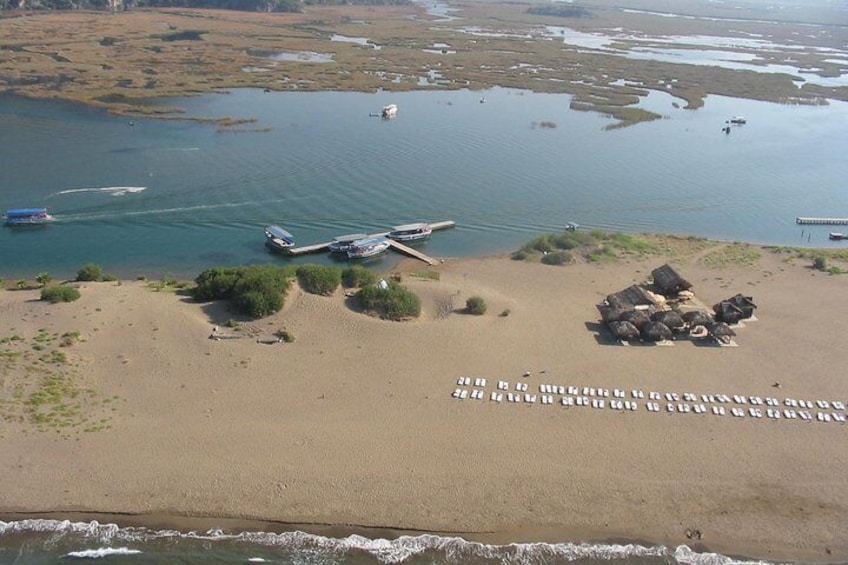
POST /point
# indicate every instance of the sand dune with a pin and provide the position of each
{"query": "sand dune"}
(354, 423)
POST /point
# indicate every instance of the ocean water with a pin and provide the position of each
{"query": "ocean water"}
(159, 197)
(36, 542)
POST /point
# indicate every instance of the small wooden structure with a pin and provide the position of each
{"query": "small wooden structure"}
(668, 282)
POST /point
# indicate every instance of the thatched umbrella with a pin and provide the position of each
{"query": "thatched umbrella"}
(698, 318)
(612, 313)
(625, 331)
(726, 311)
(656, 331)
(636, 317)
(668, 282)
(670, 318)
(721, 331)
(745, 304)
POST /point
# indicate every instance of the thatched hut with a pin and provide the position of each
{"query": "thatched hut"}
(721, 332)
(636, 317)
(632, 296)
(612, 313)
(695, 318)
(726, 311)
(670, 318)
(668, 282)
(625, 331)
(656, 331)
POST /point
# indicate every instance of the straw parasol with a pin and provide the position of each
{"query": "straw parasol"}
(612, 313)
(656, 331)
(636, 317)
(721, 331)
(728, 312)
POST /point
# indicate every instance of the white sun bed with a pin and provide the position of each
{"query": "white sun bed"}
(457, 393)
(503, 385)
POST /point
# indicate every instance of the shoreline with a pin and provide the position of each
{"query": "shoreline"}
(331, 433)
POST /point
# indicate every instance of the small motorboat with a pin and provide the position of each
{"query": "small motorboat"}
(837, 235)
(738, 120)
(278, 239)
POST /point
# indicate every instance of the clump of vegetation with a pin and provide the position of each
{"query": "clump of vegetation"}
(43, 278)
(90, 272)
(55, 294)
(732, 254)
(69, 339)
(475, 305)
(820, 263)
(358, 276)
(319, 279)
(506, 313)
(557, 258)
(187, 35)
(256, 291)
(560, 11)
(284, 335)
(394, 302)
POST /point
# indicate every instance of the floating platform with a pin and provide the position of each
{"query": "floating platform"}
(822, 221)
(318, 247)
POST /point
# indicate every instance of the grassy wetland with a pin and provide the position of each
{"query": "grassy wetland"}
(122, 60)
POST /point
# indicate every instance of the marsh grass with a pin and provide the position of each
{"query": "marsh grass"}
(732, 254)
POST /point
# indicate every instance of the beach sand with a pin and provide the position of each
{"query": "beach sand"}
(353, 424)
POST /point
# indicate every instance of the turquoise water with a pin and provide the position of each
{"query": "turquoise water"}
(324, 167)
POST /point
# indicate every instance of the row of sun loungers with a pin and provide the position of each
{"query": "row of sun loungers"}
(687, 402)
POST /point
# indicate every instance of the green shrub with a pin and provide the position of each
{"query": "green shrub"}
(358, 276)
(519, 255)
(506, 313)
(557, 258)
(54, 294)
(319, 279)
(43, 278)
(475, 305)
(820, 263)
(285, 336)
(256, 290)
(395, 302)
(90, 272)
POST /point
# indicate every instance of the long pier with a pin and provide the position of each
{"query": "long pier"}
(822, 221)
(435, 226)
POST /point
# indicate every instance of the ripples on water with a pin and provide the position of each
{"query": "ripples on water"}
(326, 167)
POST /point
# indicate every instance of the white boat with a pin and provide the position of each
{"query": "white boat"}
(389, 111)
(27, 216)
(342, 243)
(410, 232)
(368, 247)
(278, 238)
(738, 120)
(837, 236)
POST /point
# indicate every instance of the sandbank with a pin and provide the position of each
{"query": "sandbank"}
(353, 424)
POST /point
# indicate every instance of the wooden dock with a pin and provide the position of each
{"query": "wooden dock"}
(822, 221)
(435, 226)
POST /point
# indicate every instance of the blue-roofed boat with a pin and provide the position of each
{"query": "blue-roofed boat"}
(278, 238)
(27, 216)
(343, 243)
(368, 247)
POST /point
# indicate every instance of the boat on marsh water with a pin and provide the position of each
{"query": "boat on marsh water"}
(410, 232)
(343, 243)
(278, 239)
(27, 216)
(368, 247)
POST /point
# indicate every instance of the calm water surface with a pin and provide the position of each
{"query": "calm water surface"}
(322, 167)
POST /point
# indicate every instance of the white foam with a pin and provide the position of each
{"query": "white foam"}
(113, 190)
(102, 552)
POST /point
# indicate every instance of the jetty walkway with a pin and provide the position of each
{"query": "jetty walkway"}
(822, 221)
(435, 226)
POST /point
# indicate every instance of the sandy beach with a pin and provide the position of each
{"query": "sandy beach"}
(353, 424)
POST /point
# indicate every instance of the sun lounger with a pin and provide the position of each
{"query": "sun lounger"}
(688, 397)
(618, 393)
(561, 389)
(823, 404)
(568, 401)
(654, 395)
(839, 417)
(457, 393)
(837, 405)
(717, 410)
(547, 399)
(573, 391)
(464, 394)
(669, 407)
(503, 385)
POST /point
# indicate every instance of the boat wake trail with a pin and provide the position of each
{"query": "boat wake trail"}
(113, 190)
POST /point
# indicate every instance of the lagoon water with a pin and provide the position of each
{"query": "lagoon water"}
(159, 197)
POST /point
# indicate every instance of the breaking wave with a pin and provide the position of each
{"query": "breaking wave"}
(113, 190)
(401, 549)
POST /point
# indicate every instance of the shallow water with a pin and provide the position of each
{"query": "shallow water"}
(174, 197)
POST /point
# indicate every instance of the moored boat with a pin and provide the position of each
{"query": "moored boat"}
(389, 111)
(837, 235)
(342, 243)
(278, 238)
(27, 216)
(738, 120)
(410, 232)
(368, 247)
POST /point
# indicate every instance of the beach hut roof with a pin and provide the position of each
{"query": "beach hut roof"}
(670, 318)
(636, 317)
(721, 329)
(612, 313)
(744, 303)
(698, 318)
(668, 282)
(656, 331)
(728, 312)
(633, 295)
(624, 330)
